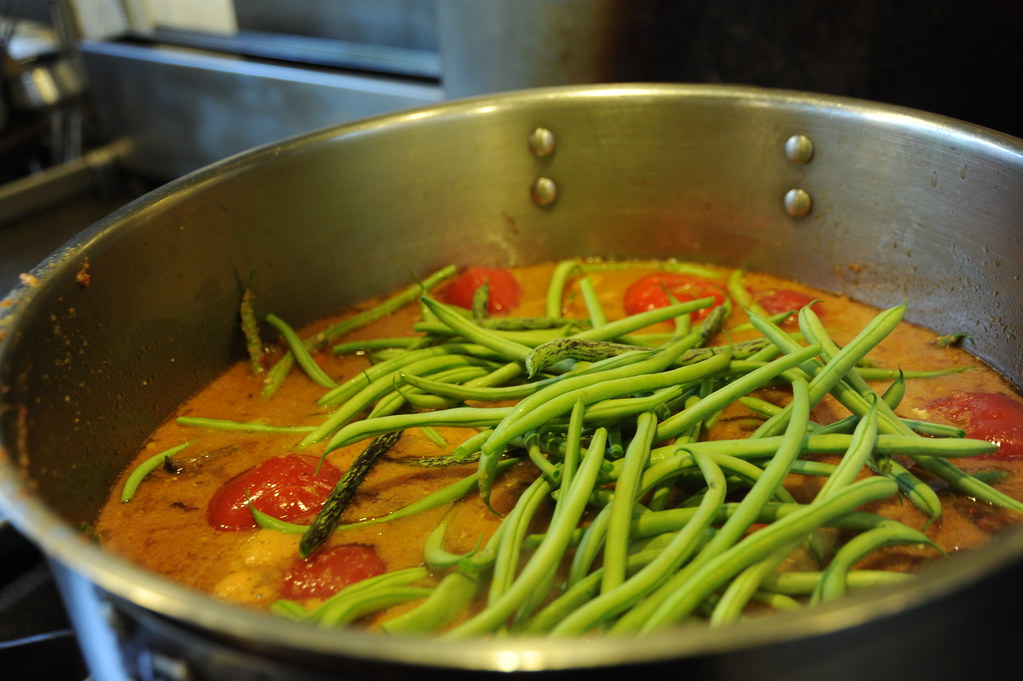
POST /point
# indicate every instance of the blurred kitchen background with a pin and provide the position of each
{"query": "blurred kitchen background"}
(102, 100)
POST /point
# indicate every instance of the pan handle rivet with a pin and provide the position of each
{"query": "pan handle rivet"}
(799, 149)
(541, 142)
(798, 203)
(544, 191)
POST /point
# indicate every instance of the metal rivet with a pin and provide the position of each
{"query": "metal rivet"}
(541, 142)
(799, 149)
(798, 203)
(544, 191)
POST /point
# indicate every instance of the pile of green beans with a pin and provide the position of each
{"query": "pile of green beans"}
(647, 524)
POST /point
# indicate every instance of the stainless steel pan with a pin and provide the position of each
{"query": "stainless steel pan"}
(138, 312)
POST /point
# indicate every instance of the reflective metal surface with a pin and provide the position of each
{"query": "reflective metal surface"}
(176, 110)
(333, 217)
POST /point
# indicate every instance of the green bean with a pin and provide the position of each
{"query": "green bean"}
(466, 393)
(367, 602)
(922, 496)
(573, 443)
(732, 391)
(651, 523)
(832, 584)
(499, 376)
(268, 522)
(356, 404)
(593, 307)
(540, 565)
(677, 266)
(470, 446)
(472, 417)
(740, 295)
(803, 583)
(745, 586)
(481, 301)
(301, 354)
(280, 370)
(762, 543)
(445, 602)
(647, 364)
(579, 593)
(864, 439)
(525, 337)
(950, 473)
(620, 327)
(364, 378)
(654, 573)
(880, 374)
(772, 477)
(837, 443)
(842, 363)
(934, 429)
(894, 393)
(389, 382)
(617, 409)
(422, 400)
(779, 602)
(556, 286)
(588, 548)
(515, 526)
(367, 344)
(244, 426)
(133, 481)
(537, 457)
(388, 580)
(521, 421)
(510, 350)
(435, 555)
(966, 483)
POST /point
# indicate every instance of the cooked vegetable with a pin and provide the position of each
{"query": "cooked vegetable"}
(502, 290)
(337, 501)
(661, 288)
(289, 487)
(584, 433)
(988, 416)
(331, 570)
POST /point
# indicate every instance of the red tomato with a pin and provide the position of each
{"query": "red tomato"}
(986, 416)
(505, 290)
(329, 570)
(652, 291)
(286, 487)
(780, 300)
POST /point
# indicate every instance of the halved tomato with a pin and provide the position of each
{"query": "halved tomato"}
(504, 295)
(994, 417)
(658, 289)
(331, 569)
(287, 487)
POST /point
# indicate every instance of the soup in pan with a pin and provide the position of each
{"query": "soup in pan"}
(574, 448)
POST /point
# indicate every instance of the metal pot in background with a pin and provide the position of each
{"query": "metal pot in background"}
(882, 203)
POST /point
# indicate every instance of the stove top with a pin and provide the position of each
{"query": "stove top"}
(36, 639)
